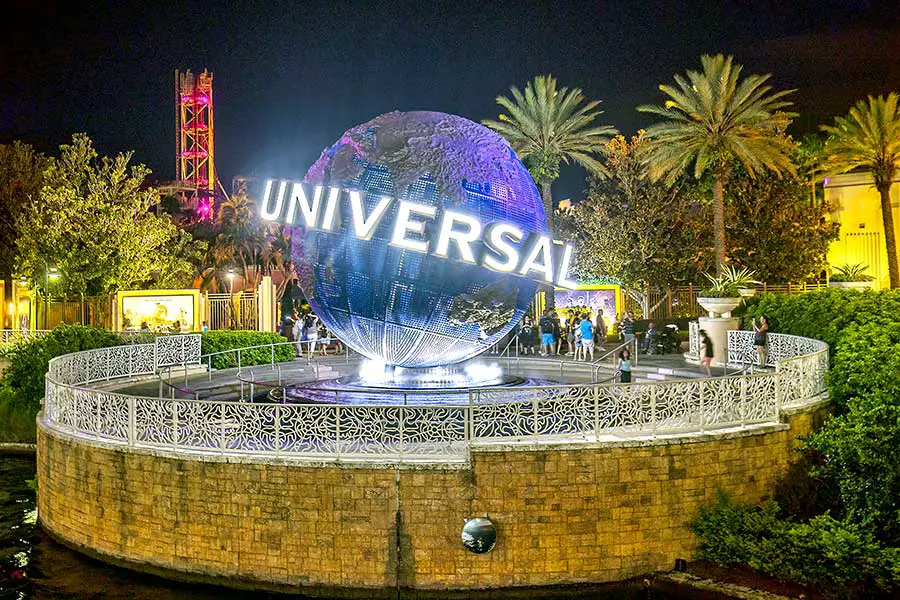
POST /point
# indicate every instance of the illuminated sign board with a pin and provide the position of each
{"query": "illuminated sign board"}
(498, 246)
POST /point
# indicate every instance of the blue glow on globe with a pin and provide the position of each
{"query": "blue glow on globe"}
(399, 306)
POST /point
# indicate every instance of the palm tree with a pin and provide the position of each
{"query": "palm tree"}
(547, 126)
(712, 119)
(868, 138)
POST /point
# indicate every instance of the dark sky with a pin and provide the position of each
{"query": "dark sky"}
(290, 77)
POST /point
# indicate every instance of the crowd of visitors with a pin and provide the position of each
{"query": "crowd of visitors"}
(300, 324)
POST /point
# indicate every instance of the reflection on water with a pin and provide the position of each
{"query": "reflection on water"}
(33, 567)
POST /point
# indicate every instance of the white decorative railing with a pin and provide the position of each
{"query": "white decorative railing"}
(432, 432)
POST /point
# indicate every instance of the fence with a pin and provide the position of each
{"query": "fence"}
(443, 432)
(681, 301)
(11, 337)
(237, 311)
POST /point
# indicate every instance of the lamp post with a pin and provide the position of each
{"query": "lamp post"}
(230, 276)
(49, 273)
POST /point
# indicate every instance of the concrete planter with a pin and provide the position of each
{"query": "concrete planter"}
(853, 285)
(719, 307)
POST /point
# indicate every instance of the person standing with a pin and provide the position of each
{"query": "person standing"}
(760, 338)
(625, 366)
(600, 329)
(546, 326)
(557, 332)
(628, 326)
(587, 335)
(706, 352)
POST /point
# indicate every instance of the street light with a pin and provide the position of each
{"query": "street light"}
(230, 276)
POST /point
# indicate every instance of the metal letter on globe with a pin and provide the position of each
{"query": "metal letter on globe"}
(388, 295)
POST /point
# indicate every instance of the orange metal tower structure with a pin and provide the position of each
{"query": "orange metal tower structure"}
(195, 164)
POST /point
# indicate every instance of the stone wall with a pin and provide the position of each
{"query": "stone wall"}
(564, 514)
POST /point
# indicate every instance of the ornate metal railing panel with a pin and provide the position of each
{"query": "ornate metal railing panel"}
(419, 432)
(178, 350)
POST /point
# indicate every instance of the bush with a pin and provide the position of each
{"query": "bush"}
(217, 341)
(17, 421)
(853, 476)
(22, 386)
(859, 457)
(28, 361)
(866, 359)
(839, 555)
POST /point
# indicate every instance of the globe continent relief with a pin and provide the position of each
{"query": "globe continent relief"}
(396, 305)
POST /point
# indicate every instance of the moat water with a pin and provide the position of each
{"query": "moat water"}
(34, 567)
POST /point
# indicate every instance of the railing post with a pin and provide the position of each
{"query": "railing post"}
(273, 356)
(239, 360)
(702, 384)
(402, 419)
(653, 390)
(534, 410)
(337, 431)
(470, 425)
(778, 392)
(222, 427)
(743, 401)
(132, 436)
(596, 413)
(131, 361)
(174, 423)
(209, 368)
(278, 429)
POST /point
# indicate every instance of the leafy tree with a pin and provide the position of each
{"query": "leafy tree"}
(635, 230)
(776, 231)
(547, 126)
(21, 172)
(868, 138)
(92, 220)
(713, 118)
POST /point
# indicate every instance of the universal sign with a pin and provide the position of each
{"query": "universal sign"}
(504, 247)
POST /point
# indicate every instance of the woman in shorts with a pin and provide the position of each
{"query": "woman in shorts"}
(760, 338)
(706, 352)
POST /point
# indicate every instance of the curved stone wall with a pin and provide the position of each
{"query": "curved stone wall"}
(565, 514)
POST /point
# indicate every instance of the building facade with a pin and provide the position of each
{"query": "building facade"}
(856, 205)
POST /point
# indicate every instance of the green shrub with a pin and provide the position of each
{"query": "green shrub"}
(866, 359)
(17, 421)
(24, 377)
(852, 546)
(217, 341)
(859, 456)
(839, 555)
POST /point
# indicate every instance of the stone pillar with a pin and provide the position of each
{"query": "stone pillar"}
(717, 330)
(266, 305)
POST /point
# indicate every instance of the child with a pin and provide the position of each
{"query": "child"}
(625, 366)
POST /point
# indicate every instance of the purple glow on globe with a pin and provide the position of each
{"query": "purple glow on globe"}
(406, 308)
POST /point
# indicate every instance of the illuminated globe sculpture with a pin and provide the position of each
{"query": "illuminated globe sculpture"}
(405, 308)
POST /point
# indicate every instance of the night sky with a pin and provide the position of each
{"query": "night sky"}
(290, 77)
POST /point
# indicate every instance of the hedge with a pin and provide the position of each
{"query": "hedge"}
(851, 543)
(217, 341)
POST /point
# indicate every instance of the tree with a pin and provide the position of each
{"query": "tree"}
(93, 221)
(636, 230)
(713, 118)
(547, 126)
(777, 230)
(868, 138)
(21, 172)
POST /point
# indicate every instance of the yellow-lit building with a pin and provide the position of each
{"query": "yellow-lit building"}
(856, 205)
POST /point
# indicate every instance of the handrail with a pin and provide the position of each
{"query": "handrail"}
(439, 432)
(622, 346)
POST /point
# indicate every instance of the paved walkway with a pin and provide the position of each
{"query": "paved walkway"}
(225, 385)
